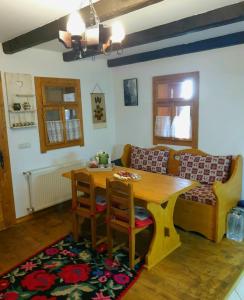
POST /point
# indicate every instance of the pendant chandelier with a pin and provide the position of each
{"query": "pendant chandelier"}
(93, 40)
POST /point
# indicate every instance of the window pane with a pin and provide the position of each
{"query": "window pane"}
(54, 126)
(163, 121)
(182, 123)
(164, 111)
(162, 91)
(69, 94)
(182, 89)
(187, 89)
(59, 94)
(52, 115)
(175, 89)
(73, 131)
(54, 94)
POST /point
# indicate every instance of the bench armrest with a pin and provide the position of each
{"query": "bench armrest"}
(228, 194)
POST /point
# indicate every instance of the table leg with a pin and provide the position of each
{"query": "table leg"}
(165, 238)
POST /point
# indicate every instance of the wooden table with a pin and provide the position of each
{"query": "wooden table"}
(158, 194)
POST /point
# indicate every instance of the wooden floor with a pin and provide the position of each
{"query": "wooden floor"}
(199, 269)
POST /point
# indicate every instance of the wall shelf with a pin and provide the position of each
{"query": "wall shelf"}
(25, 95)
(24, 126)
(21, 100)
(22, 111)
(26, 114)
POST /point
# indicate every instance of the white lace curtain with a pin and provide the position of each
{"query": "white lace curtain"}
(56, 134)
(180, 127)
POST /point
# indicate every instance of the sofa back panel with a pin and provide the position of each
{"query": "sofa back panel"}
(125, 158)
(162, 148)
(174, 156)
(233, 163)
(174, 159)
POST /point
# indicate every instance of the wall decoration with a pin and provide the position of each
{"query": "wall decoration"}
(98, 108)
(21, 104)
(130, 92)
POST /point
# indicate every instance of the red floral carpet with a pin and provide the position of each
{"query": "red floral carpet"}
(69, 270)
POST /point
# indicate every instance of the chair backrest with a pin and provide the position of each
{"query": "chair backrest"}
(83, 193)
(120, 201)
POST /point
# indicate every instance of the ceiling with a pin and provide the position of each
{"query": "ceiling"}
(20, 16)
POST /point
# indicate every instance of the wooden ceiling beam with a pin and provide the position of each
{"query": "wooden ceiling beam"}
(106, 9)
(203, 45)
(214, 18)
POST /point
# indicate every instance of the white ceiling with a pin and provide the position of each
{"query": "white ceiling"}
(168, 11)
(20, 16)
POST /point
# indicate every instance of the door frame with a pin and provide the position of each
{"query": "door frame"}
(6, 187)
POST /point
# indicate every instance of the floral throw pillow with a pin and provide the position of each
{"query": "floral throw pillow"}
(205, 169)
(150, 160)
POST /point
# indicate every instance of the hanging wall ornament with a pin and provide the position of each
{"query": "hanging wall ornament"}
(98, 108)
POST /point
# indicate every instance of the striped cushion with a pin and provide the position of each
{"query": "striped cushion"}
(203, 194)
(205, 169)
(149, 160)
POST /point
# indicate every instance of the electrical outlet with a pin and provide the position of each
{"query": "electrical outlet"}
(24, 145)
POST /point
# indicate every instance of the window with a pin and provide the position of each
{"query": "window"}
(59, 113)
(175, 109)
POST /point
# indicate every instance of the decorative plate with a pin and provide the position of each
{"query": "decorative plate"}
(124, 175)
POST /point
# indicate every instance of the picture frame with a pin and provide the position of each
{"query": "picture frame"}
(130, 92)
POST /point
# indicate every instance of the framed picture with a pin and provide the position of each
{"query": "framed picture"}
(130, 92)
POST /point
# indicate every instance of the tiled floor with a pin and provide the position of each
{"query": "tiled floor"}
(238, 292)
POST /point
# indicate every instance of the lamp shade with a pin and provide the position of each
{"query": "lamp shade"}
(75, 24)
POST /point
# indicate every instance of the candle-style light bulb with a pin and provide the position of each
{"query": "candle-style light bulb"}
(118, 33)
(75, 24)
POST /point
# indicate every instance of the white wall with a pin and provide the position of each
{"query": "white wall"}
(221, 103)
(50, 64)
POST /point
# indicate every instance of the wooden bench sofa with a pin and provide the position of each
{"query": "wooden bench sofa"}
(209, 218)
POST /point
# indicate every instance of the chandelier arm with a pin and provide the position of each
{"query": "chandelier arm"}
(94, 13)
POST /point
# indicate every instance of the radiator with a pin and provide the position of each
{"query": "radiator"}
(47, 187)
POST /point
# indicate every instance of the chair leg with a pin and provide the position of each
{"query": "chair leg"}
(94, 232)
(132, 249)
(75, 225)
(110, 241)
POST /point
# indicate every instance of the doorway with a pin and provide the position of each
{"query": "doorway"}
(7, 210)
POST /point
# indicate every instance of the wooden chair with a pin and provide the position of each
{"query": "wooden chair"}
(84, 205)
(121, 216)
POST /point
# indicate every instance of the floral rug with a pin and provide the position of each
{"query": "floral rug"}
(69, 270)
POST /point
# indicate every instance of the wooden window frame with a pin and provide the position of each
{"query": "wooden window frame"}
(194, 103)
(43, 106)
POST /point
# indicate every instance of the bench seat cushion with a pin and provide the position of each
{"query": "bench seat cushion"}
(149, 160)
(203, 194)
